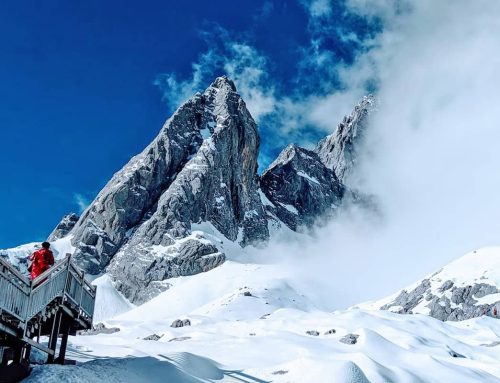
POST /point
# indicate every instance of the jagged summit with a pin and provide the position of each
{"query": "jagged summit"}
(305, 185)
(223, 82)
(284, 157)
(338, 150)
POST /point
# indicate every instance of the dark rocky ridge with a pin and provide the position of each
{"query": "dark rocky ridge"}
(301, 188)
(63, 228)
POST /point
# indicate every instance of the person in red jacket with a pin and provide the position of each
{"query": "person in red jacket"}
(41, 260)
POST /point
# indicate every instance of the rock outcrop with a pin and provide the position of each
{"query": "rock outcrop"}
(63, 228)
(458, 303)
(466, 288)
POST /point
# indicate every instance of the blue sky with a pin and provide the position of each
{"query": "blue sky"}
(86, 85)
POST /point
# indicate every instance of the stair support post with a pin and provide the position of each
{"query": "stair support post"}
(53, 335)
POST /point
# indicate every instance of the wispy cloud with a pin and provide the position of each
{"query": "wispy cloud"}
(82, 201)
(431, 153)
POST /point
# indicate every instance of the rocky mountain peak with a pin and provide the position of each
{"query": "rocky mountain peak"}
(167, 212)
(338, 150)
(200, 172)
(223, 82)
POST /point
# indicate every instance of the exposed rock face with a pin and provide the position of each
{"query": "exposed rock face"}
(67, 224)
(300, 188)
(99, 328)
(140, 272)
(338, 150)
(153, 337)
(136, 188)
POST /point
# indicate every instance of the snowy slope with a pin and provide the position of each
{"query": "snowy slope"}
(249, 323)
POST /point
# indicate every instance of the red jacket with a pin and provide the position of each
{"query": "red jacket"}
(41, 260)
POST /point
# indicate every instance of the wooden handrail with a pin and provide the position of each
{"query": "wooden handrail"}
(14, 271)
(33, 289)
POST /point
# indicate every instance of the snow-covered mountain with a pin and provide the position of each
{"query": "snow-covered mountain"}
(466, 288)
(192, 202)
(148, 223)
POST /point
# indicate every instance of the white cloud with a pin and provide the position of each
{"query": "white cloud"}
(81, 201)
(431, 155)
(318, 8)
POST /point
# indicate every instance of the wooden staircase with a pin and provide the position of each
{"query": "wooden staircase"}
(56, 304)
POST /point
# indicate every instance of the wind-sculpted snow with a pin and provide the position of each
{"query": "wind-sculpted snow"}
(252, 323)
(464, 289)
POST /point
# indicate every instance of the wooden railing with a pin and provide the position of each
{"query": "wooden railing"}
(23, 299)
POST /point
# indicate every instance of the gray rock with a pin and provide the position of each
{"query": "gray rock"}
(455, 354)
(180, 323)
(331, 331)
(300, 188)
(492, 344)
(99, 328)
(312, 332)
(349, 339)
(200, 169)
(410, 300)
(137, 271)
(62, 229)
(280, 372)
(338, 151)
(153, 337)
(149, 223)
